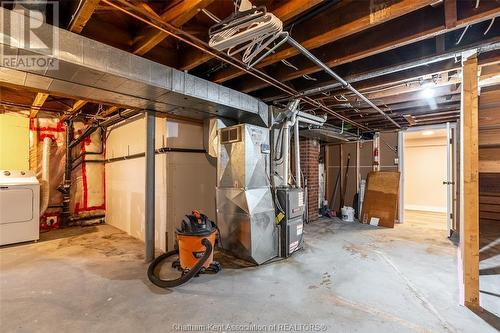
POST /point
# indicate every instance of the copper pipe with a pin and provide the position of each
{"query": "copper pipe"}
(220, 55)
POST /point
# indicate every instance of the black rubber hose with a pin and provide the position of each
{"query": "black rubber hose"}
(157, 281)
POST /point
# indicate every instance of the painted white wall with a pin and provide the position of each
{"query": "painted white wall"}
(424, 172)
(14, 142)
(184, 181)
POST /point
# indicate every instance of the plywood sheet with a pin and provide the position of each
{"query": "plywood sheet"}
(489, 137)
(381, 197)
(489, 160)
(351, 182)
(489, 117)
(332, 168)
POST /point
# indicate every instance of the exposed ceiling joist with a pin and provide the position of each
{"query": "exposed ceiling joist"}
(450, 13)
(394, 34)
(83, 13)
(38, 102)
(109, 111)
(370, 17)
(292, 8)
(288, 10)
(177, 16)
(76, 106)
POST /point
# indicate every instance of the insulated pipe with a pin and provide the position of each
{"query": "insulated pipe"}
(298, 181)
(304, 115)
(150, 187)
(344, 83)
(309, 121)
(292, 113)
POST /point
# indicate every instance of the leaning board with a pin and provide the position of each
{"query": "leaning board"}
(381, 197)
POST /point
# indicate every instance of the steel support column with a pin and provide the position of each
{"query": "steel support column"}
(150, 187)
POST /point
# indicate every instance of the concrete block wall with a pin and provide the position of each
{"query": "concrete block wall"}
(309, 160)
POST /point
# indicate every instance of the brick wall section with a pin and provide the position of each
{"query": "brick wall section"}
(309, 160)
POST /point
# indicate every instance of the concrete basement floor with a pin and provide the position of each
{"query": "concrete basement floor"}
(350, 277)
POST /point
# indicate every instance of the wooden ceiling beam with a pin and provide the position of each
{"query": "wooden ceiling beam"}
(292, 8)
(372, 79)
(450, 13)
(441, 102)
(287, 11)
(38, 102)
(177, 16)
(378, 74)
(452, 89)
(82, 15)
(72, 110)
(403, 31)
(365, 17)
(109, 111)
(418, 112)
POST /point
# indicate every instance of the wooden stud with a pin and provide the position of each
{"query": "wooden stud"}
(469, 224)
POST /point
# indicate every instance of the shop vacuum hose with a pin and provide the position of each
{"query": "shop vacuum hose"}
(156, 280)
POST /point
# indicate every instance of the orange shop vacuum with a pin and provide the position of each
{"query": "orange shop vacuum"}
(195, 243)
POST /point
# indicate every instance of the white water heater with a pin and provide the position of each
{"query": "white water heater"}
(19, 206)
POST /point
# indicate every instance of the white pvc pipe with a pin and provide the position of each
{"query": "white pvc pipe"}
(45, 184)
(298, 181)
(286, 152)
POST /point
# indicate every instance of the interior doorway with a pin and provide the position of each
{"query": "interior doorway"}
(428, 172)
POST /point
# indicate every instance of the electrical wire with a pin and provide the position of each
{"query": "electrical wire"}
(287, 63)
(462, 35)
(202, 46)
(310, 78)
(489, 27)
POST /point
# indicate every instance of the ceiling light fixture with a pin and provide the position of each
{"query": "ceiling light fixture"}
(427, 133)
(428, 92)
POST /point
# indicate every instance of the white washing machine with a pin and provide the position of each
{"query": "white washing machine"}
(19, 207)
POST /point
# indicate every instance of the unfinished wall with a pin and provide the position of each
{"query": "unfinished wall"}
(388, 151)
(184, 181)
(309, 160)
(53, 128)
(349, 173)
(332, 169)
(425, 169)
(489, 160)
(360, 164)
(14, 142)
(87, 176)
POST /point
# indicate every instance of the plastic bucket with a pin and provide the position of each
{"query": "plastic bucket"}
(347, 214)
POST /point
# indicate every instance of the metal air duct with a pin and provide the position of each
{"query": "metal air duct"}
(93, 71)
